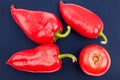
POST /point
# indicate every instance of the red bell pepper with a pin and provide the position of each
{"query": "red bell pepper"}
(41, 27)
(82, 20)
(41, 59)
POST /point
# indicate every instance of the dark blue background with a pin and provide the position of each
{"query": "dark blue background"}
(12, 39)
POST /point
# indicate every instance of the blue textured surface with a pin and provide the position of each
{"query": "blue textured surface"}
(12, 39)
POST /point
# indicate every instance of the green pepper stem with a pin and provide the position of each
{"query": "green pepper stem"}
(61, 56)
(59, 35)
(104, 37)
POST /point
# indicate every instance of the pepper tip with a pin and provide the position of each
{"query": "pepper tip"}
(61, 2)
(12, 6)
(7, 62)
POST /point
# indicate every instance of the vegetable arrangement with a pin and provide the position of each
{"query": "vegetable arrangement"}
(45, 28)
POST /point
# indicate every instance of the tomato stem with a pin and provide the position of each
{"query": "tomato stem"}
(95, 59)
(104, 37)
(61, 56)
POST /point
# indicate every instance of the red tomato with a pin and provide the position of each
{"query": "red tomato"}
(94, 60)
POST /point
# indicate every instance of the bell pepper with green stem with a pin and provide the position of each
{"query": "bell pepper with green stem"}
(41, 59)
(40, 26)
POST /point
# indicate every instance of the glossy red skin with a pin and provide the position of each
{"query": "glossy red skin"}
(88, 66)
(82, 20)
(39, 26)
(42, 59)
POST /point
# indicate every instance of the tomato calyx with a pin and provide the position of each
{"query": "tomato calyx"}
(95, 59)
